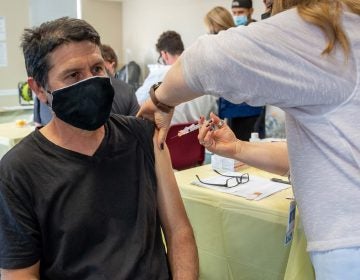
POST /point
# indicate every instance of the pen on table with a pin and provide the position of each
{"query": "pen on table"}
(277, 180)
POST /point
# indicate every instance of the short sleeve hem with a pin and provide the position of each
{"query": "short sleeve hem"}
(18, 263)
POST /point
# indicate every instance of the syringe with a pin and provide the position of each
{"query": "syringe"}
(188, 129)
(193, 127)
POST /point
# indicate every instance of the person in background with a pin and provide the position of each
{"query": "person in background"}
(242, 11)
(170, 47)
(309, 67)
(125, 102)
(274, 122)
(88, 196)
(110, 59)
(242, 118)
(218, 19)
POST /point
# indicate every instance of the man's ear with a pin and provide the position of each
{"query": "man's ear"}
(113, 66)
(37, 89)
(166, 57)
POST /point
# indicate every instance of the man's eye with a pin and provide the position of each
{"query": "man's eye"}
(99, 69)
(74, 75)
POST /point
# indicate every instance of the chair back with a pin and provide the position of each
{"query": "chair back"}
(130, 73)
(185, 151)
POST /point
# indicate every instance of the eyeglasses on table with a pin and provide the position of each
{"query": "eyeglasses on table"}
(231, 182)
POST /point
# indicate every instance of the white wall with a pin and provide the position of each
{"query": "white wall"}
(15, 21)
(45, 10)
(144, 21)
(106, 17)
(19, 15)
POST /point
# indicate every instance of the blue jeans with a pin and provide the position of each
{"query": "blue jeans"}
(339, 264)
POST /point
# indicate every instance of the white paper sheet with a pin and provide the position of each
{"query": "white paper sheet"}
(257, 188)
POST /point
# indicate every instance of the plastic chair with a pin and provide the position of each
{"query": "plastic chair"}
(25, 94)
(185, 151)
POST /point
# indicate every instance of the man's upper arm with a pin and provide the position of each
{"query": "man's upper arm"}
(180, 241)
(171, 208)
(19, 233)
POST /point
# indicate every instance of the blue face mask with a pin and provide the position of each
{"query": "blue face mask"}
(240, 20)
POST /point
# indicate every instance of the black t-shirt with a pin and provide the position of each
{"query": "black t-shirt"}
(125, 102)
(83, 217)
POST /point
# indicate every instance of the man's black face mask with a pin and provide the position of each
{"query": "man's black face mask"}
(85, 104)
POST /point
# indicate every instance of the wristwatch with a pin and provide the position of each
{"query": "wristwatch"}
(163, 107)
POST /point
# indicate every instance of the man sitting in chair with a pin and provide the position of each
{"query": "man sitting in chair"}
(89, 195)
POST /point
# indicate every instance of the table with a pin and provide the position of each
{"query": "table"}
(11, 113)
(243, 239)
(10, 135)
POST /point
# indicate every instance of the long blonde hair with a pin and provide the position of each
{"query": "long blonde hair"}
(326, 14)
(218, 19)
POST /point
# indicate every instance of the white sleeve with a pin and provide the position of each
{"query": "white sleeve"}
(156, 74)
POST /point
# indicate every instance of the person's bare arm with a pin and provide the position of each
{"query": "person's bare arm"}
(268, 156)
(180, 241)
(28, 273)
(172, 92)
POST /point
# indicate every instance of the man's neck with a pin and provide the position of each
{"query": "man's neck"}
(73, 138)
(172, 59)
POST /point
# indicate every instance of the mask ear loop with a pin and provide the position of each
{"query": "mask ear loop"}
(49, 98)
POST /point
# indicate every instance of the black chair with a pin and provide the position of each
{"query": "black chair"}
(130, 73)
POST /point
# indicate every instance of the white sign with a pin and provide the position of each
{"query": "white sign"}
(2, 29)
(3, 55)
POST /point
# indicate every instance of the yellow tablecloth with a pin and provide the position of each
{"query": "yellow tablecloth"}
(243, 239)
(10, 135)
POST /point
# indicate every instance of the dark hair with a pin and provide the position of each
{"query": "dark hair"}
(109, 54)
(242, 4)
(38, 42)
(170, 41)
